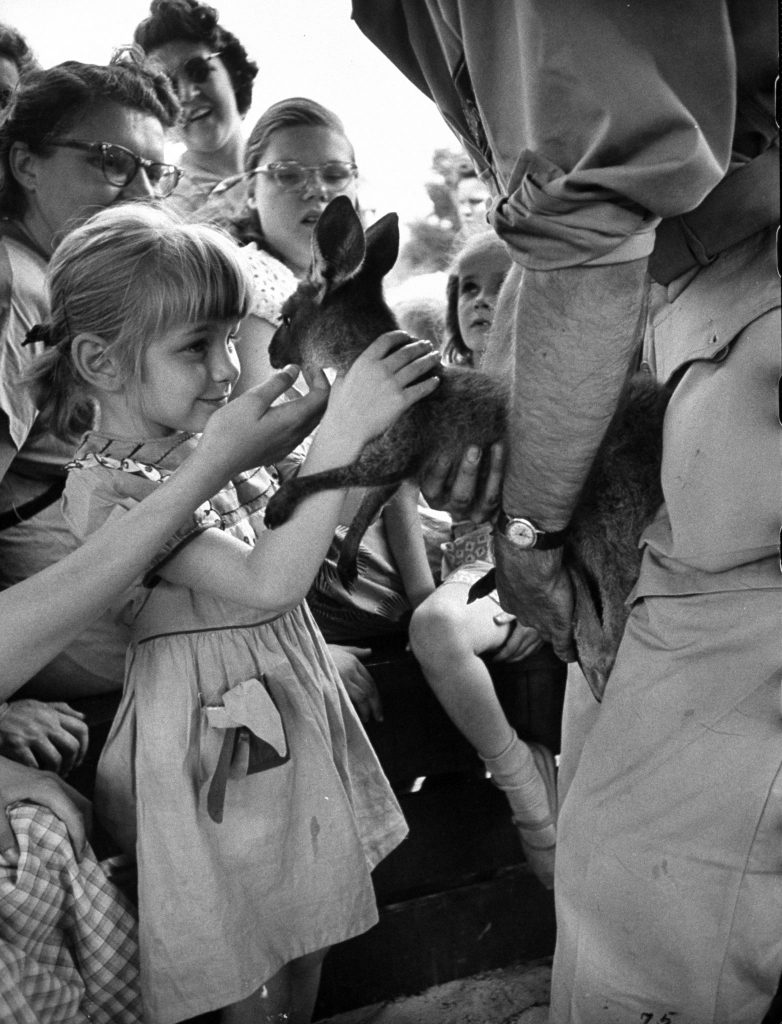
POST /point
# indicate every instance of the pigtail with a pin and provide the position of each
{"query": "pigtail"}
(64, 408)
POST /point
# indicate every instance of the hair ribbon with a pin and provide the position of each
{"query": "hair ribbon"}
(39, 332)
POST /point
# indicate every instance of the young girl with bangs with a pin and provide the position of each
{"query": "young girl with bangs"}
(236, 769)
(451, 637)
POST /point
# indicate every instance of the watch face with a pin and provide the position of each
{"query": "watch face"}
(521, 533)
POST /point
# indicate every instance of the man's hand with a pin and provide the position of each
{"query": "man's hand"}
(467, 485)
(19, 784)
(535, 587)
(46, 735)
(357, 681)
(520, 642)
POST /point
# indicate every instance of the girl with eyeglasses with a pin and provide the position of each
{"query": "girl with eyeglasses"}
(213, 78)
(76, 138)
(298, 157)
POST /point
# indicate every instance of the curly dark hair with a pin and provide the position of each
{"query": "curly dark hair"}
(48, 102)
(190, 20)
(14, 47)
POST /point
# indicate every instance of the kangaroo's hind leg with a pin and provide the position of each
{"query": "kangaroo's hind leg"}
(371, 504)
(282, 504)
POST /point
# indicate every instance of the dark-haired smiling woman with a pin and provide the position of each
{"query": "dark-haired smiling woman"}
(76, 138)
(16, 57)
(213, 78)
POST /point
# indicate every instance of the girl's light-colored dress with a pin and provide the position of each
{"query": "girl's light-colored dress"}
(236, 769)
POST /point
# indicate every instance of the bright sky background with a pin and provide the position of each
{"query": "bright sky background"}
(303, 48)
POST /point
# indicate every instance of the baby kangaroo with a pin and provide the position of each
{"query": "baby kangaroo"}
(339, 309)
(332, 317)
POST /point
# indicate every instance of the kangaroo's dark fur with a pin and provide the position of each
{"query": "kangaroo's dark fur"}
(339, 309)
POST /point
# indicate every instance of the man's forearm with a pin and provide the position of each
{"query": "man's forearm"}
(574, 331)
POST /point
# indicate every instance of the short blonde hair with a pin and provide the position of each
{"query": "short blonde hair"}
(127, 275)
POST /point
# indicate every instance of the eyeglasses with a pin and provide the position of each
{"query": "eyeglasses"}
(120, 166)
(196, 70)
(290, 175)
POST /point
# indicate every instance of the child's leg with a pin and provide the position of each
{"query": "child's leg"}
(447, 636)
(287, 998)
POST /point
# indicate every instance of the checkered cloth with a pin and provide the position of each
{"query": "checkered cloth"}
(68, 945)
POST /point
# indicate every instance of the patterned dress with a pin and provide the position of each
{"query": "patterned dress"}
(236, 769)
(273, 283)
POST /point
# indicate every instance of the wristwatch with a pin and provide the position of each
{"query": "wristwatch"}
(523, 533)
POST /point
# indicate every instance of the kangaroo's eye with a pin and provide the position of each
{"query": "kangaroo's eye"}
(285, 320)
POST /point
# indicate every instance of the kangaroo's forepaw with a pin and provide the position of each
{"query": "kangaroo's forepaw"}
(279, 510)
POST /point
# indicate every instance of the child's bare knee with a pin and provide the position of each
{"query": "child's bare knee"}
(435, 624)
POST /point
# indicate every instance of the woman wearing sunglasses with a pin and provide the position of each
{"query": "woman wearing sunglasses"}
(76, 138)
(16, 57)
(213, 78)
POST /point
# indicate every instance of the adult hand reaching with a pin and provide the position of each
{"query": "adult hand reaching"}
(357, 681)
(43, 734)
(522, 640)
(467, 487)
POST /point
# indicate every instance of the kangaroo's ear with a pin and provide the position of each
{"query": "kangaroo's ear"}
(337, 245)
(382, 246)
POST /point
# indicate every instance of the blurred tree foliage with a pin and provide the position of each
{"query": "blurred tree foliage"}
(431, 242)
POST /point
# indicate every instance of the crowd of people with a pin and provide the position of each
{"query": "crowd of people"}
(619, 212)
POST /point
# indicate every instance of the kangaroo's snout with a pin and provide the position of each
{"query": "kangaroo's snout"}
(282, 349)
(338, 308)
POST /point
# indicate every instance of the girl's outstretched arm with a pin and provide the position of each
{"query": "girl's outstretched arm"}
(275, 575)
(405, 535)
(41, 615)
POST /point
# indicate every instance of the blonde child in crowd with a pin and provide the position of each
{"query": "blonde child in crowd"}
(448, 636)
(236, 771)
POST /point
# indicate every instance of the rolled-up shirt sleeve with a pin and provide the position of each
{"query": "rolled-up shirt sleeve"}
(597, 118)
(627, 117)
(546, 227)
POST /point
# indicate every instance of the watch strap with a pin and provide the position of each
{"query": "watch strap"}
(545, 540)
